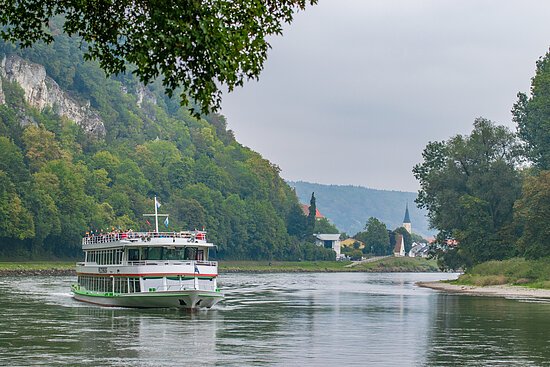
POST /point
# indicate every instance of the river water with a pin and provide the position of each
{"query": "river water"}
(320, 319)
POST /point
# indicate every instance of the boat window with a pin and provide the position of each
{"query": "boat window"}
(133, 254)
(121, 285)
(190, 253)
(174, 254)
(152, 253)
(133, 285)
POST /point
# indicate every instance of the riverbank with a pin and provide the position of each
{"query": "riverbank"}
(503, 290)
(384, 265)
(37, 268)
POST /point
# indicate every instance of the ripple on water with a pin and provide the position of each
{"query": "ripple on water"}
(277, 319)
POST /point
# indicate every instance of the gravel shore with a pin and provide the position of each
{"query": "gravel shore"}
(506, 291)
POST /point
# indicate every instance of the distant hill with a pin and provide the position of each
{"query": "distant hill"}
(349, 207)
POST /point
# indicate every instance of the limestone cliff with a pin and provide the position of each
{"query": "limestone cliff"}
(2, 98)
(42, 91)
(143, 94)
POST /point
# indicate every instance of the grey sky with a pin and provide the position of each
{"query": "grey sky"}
(354, 89)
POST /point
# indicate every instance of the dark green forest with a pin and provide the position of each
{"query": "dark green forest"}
(57, 182)
(488, 193)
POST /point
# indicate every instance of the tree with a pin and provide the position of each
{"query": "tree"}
(41, 147)
(197, 45)
(311, 214)
(297, 222)
(532, 212)
(12, 160)
(468, 185)
(15, 220)
(532, 114)
(375, 237)
(322, 225)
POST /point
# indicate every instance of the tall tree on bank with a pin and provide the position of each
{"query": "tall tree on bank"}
(532, 212)
(375, 237)
(196, 45)
(469, 184)
(311, 215)
(532, 114)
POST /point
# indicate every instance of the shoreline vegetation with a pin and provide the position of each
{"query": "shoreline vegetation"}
(390, 264)
(503, 290)
(512, 278)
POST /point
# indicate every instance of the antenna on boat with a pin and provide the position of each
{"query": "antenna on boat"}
(156, 215)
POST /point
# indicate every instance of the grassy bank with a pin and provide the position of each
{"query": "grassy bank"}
(281, 266)
(399, 264)
(517, 271)
(37, 265)
(390, 264)
(404, 264)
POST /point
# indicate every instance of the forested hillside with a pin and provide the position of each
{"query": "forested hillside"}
(349, 207)
(86, 152)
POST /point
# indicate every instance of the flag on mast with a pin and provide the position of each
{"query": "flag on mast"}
(157, 204)
(166, 222)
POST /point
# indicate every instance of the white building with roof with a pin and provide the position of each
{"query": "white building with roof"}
(399, 249)
(329, 240)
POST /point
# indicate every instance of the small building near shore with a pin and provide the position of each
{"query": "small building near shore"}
(350, 242)
(399, 249)
(419, 250)
(329, 240)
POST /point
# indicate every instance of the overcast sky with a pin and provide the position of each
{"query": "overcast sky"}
(355, 89)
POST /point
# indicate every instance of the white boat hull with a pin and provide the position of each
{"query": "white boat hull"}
(189, 299)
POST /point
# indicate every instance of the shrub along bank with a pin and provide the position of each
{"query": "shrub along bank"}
(516, 271)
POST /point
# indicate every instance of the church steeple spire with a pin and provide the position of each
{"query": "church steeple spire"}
(407, 220)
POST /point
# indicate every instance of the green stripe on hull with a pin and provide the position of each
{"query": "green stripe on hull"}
(145, 294)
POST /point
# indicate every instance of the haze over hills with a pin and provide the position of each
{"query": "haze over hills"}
(349, 207)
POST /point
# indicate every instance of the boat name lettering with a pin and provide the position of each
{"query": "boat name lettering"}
(102, 270)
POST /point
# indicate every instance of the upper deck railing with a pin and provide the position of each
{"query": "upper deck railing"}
(190, 236)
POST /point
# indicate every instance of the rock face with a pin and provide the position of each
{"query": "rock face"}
(42, 91)
(143, 94)
(2, 98)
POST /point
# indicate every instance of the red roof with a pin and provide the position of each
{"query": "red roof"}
(305, 209)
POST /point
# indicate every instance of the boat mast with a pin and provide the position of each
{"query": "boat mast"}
(156, 215)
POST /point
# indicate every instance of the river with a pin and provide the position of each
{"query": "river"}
(303, 319)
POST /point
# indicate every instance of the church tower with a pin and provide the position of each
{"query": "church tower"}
(407, 220)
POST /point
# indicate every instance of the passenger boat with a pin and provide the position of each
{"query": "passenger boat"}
(148, 269)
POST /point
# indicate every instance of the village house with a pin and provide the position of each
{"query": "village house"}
(350, 242)
(329, 240)
(305, 210)
(419, 250)
(399, 249)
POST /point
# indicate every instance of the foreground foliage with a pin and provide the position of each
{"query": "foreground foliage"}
(197, 45)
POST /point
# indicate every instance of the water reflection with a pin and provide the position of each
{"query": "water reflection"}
(469, 330)
(276, 319)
